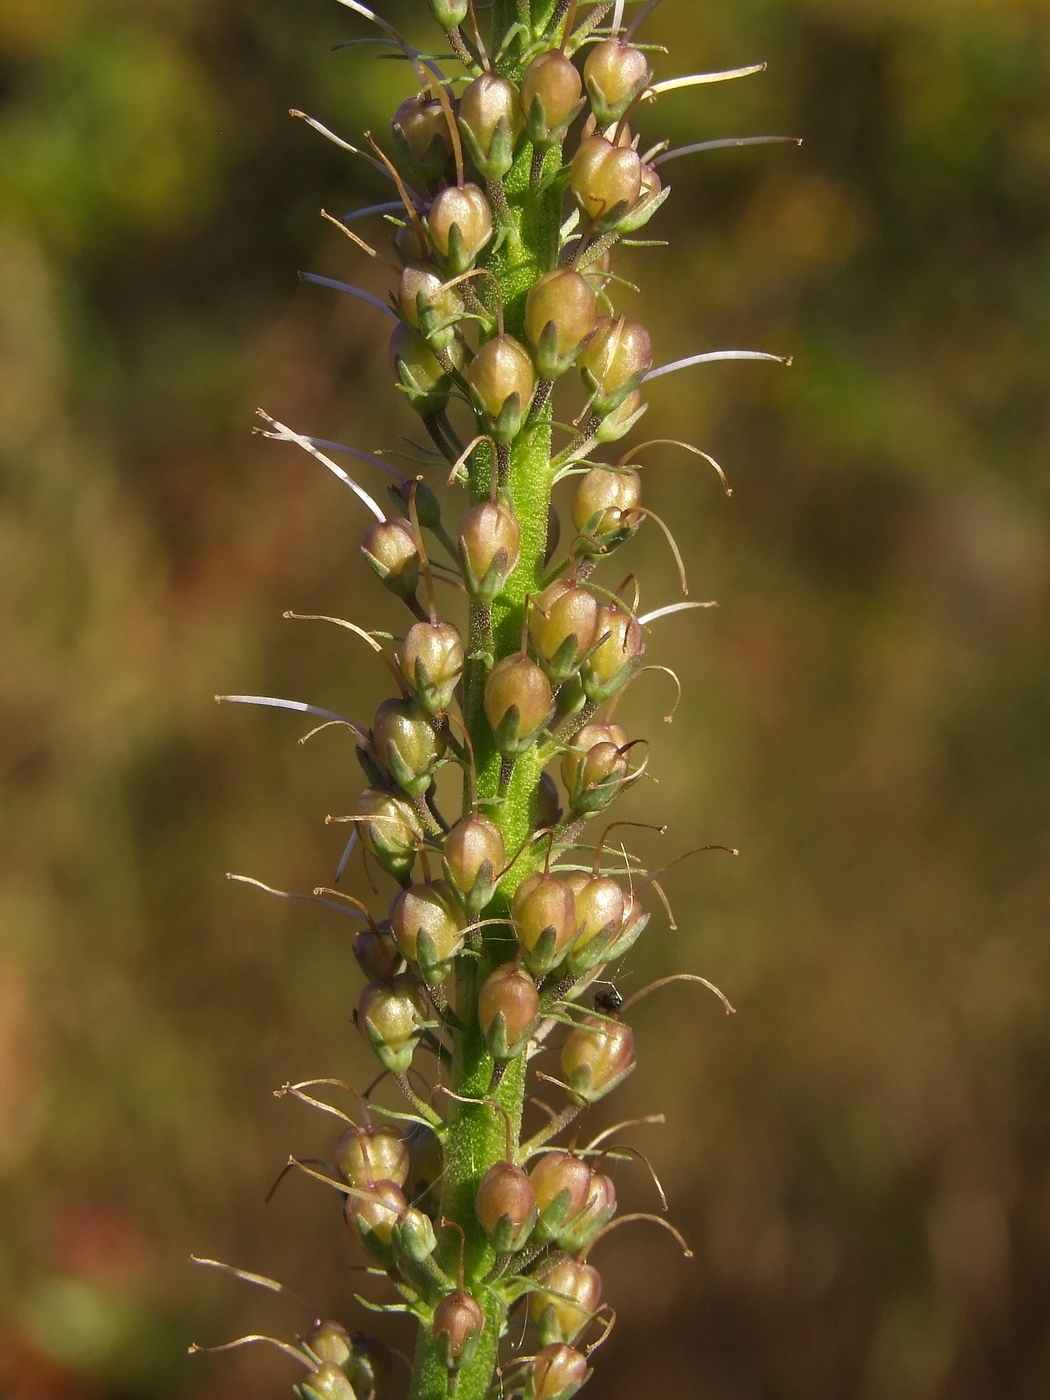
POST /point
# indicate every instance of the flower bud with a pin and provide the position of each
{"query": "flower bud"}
(391, 549)
(413, 1236)
(545, 910)
(614, 361)
(561, 1183)
(326, 1383)
(473, 857)
(652, 195)
(622, 419)
(615, 74)
(490, 120)
(595, 769)
(606, 180)
(407, 744)
(508, 1009)
(430, 306)
(428, 925)
(563, 626)
(364, 1156)
(597, 1055)
(421, 135)
(502, 381)
(561, 311)
(422, 377)
(372, 1212)
(449, 13)
(458, 1323)
(518, 702)
(557, 1372)
(600, 905)
(605, 508)
(389, 829)
(329, 1341)
(558, 1319)
(391, 1017)
(617, 657)
(600, 1208)
(376, 952)
(489, 546)
(550, 96)
(459, 222)
(431, 660)
(506, 1207)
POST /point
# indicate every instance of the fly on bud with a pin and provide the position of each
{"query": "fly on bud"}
(490, 120)
(459, 223)
(518, 703)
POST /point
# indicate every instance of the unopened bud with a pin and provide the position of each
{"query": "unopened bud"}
(458, 1323)
(561, 1183)
(326, 1383)
(329, 1341)
(376, 952)
(372, 1212)
(563, 626)
(550, 96)
(557, 1372)
(413, 1236)
(460, 224)
(561, 311)
(518, 702)
(617, 657)
(506, 1207)
(431, 660)
(489, 547)
(420, 374)
(600, 905)
(605, 179)
(595, 768)
(508, 1009)
(597, 1055)
(389, 830)
(421, 135)
(428, 925)
(364, 1156)
(544, 909)
(614, 361)
(490, 120)
(600, 1208)
(391, 549)
(429, 305)
(391, 1017)
(605, 508)
(615, 74)
(449, 13)
(568, 1300)
(473, 856)
(502, 380)
(407, 744)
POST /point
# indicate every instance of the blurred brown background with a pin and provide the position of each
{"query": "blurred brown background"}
(861, 1157)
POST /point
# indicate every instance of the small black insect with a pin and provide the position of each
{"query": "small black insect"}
(608, 1001)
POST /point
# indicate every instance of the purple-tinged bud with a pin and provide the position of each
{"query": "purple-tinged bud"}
(421, 135)
(600, 905)
(617, 657)
(561, 1183)
(376, 952)
(569, 1298)
(428, 925)
(431, 659)
(429, 305)
(605, 508)
(557, 1373)
(489, 542)
(550, 96)
(595, 769)
(508, 1009)
(392, 1017)
(561, 311)
(615, 74)
(389, 829)
(363, 1156)
(421, 376)
(606, 180)
(506, 1207)
(372, 1212)
(329, 1341)
(457, 1325)
(326, 1383)
(407, 745)
(449, 13)
(502, 380)
(518, 703)
(598, 1054)
(563, 626)
(600, 1208)
(490, 120)
(473, 857)
(544, 909)
(391, 549)
(614, 361)
(459, 222)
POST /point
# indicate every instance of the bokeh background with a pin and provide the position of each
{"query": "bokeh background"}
(861, 1156)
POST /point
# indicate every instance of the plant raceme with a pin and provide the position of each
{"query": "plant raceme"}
(515, 177)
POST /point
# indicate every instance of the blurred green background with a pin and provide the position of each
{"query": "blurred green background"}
(861, 1157)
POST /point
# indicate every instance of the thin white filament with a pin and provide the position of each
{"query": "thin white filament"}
(695, 79)
(350, 291)
(711, 357)
(671, 608)
(285, 434)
